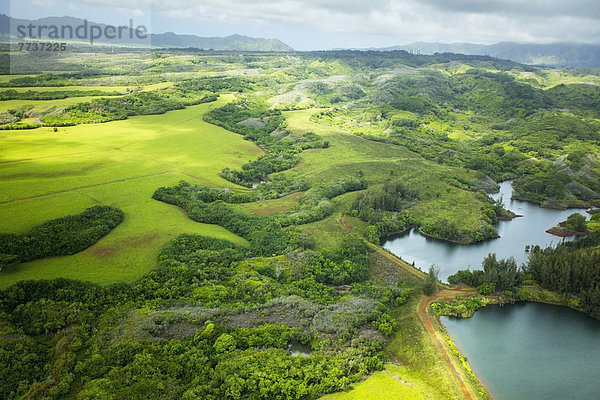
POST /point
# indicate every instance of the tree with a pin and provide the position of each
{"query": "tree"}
(372, 234)
(471, 278)
(576, 222)
(502, 273)
(430, 286)
(486, 288)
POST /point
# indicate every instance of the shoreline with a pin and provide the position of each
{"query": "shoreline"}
(554, 207)
(565, 233)
(534, 294)
(549, 297)
(451, 343)
(427, 235)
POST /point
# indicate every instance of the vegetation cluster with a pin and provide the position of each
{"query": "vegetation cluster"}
(59, 237)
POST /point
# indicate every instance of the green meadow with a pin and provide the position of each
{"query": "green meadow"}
(41, 105)
(381, 143)
(46, 174)
(394, 382)
(349, 156)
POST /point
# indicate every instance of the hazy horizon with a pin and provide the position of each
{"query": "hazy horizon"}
(329, 24)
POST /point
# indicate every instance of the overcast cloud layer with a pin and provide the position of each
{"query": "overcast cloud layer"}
(323, 24)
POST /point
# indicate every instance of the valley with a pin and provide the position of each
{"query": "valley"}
(258, 191)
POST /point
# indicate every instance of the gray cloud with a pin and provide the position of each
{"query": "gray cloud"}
(522, 9)
(307, 24)
(437, 20)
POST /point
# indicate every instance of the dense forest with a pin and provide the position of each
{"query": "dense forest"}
(59, 237)
(209, 323)
(570, 268)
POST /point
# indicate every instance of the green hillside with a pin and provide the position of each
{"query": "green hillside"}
(246, 195)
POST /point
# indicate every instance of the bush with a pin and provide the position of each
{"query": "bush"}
(225, 343)
(430, 286)
(576, 222)
(486, 288)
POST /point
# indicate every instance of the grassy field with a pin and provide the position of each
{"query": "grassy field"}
(345, 149)
(269, 207)
(394, 382)
(78, 88)
(6, 78)
(46, 175)
(349, 156)
(422, 358)
(40, 105)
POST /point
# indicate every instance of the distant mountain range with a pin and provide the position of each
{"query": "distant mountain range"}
(232, 42)
(558, 54)
(161, 40)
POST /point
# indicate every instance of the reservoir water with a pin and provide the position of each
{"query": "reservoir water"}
(530, 229)
(531, 351)
(524, 351)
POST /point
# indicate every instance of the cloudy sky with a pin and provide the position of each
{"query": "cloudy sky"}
(325, 24)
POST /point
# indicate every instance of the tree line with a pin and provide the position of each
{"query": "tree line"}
(570, 268)
(12, 94)
(58, 237)
(118, 108)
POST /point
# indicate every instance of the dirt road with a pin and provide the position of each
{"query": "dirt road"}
(426, 319)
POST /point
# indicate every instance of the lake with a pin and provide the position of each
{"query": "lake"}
(531, 351)
(514, 236)
(523, 351)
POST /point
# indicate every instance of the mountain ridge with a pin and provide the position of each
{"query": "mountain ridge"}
(553, 54)
(156, 40)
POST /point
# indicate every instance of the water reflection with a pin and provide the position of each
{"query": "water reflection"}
(514, 236)
(531, 351)
(297, 349)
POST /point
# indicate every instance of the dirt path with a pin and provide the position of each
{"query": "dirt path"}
(426, 319)
(442, 293)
